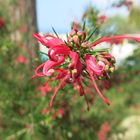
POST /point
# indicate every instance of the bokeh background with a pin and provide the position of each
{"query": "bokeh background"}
(24, 102)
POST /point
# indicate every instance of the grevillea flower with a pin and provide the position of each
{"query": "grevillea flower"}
(102, 134)
(43, 89)
(21, 60)
(101, 19)
(76, 60)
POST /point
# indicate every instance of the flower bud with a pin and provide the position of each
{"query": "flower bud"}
(70, 39)
(76, 39)
(72, 33)
(106, 67)
(81, 35)
(101, 63)
(113, 60)
(112, 69)
(84, 44)
(99, 77)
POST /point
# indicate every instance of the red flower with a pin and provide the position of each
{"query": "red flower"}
(60, 112)
(21, 60)
(95, 69)
(102, 134)
(45, 111)
(44, 89)
(75, 61)
(92, 65)
(101, 19)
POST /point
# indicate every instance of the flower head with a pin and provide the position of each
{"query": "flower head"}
(76, 60)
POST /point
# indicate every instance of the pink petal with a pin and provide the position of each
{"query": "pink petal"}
(58, 50)
(61, 73)
(74, 57)
(48, 40)
(37, 73)
(92, 65)
(76, 63)
(51, 64)
(56, 91)
(97, 89)
(81, 88)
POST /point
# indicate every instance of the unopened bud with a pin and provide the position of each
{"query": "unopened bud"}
(72, 33)
(74, 71)
(82, 35)
(99, 77)
(70, 39)
(113, 60)
(75, 39)
(106, 67)
(112, 69)
(84, 44)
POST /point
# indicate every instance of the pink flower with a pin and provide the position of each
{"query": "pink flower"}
(92, 65)
(94, 69)
(60, 112)
(101, 19)
(76, 61)
(45, 111)
(102, 134)
(44, 89)
(21, 60)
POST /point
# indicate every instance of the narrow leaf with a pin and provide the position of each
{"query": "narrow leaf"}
(55, 32)
(91, 33)
(84, 24)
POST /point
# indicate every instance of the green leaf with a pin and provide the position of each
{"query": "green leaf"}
(55, 32)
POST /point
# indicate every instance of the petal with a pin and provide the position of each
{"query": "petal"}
(48, 40)
(97, 89)
(40, 38)
(81, 90)
(93, 66)
(58, 50)
(56, 91)
(74, 57)
(37, 70)
(76, 63)
(51, 64)
(79, 68)
(61, 73)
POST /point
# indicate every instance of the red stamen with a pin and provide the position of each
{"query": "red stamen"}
(56, 91)
(97, 89)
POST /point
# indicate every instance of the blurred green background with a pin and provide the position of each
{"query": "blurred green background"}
(23, 102)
